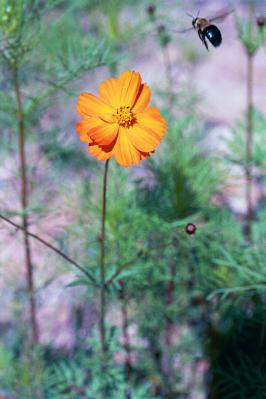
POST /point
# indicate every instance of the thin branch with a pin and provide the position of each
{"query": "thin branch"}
(123, 267)
(53, 88)
(24, 202)
(52, 247)
(140, 254)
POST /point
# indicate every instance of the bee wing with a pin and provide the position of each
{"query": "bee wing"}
(182, 30)
(219, 17)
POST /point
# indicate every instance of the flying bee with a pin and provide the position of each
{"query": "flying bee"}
(206, 29)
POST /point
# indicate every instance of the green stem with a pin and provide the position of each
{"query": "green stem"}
(102, 321)
(24, 204)
(168, 75)
(167, 366)
(249, 133)
(126, 339)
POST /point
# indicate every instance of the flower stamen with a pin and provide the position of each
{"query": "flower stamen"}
(124, 116)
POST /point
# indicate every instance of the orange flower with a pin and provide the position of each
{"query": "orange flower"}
(120, 122)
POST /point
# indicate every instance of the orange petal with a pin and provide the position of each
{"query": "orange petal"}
(109, 118)
(82, 128)
(144, 155)
(129, 83)
(152, 119)
(124, 151)
(143, 138)
(90, 105)
(143, 99)
(101, 132)
(86, 138)
(147, 133)
(109, 92)
(101, 153)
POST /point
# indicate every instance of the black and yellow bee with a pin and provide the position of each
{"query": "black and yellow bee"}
(206, 29)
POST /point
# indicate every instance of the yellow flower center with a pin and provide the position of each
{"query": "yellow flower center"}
(124, 116)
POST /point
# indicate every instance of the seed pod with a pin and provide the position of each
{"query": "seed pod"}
(261, 21)
(151, 9)
(191, 228)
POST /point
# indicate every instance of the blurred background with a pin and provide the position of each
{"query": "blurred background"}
(185, 315)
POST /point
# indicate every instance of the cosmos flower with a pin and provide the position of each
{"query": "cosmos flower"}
(120, 122)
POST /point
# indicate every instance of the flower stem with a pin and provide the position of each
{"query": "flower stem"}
(249, 133)
(126, 339)
(24, 205)
(169, 325)
(102, 326)
(169, 76)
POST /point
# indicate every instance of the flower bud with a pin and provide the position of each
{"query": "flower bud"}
(191, 228)
(261, 21)
(151, 9)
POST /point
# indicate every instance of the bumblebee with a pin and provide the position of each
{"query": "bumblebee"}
(207, 30)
